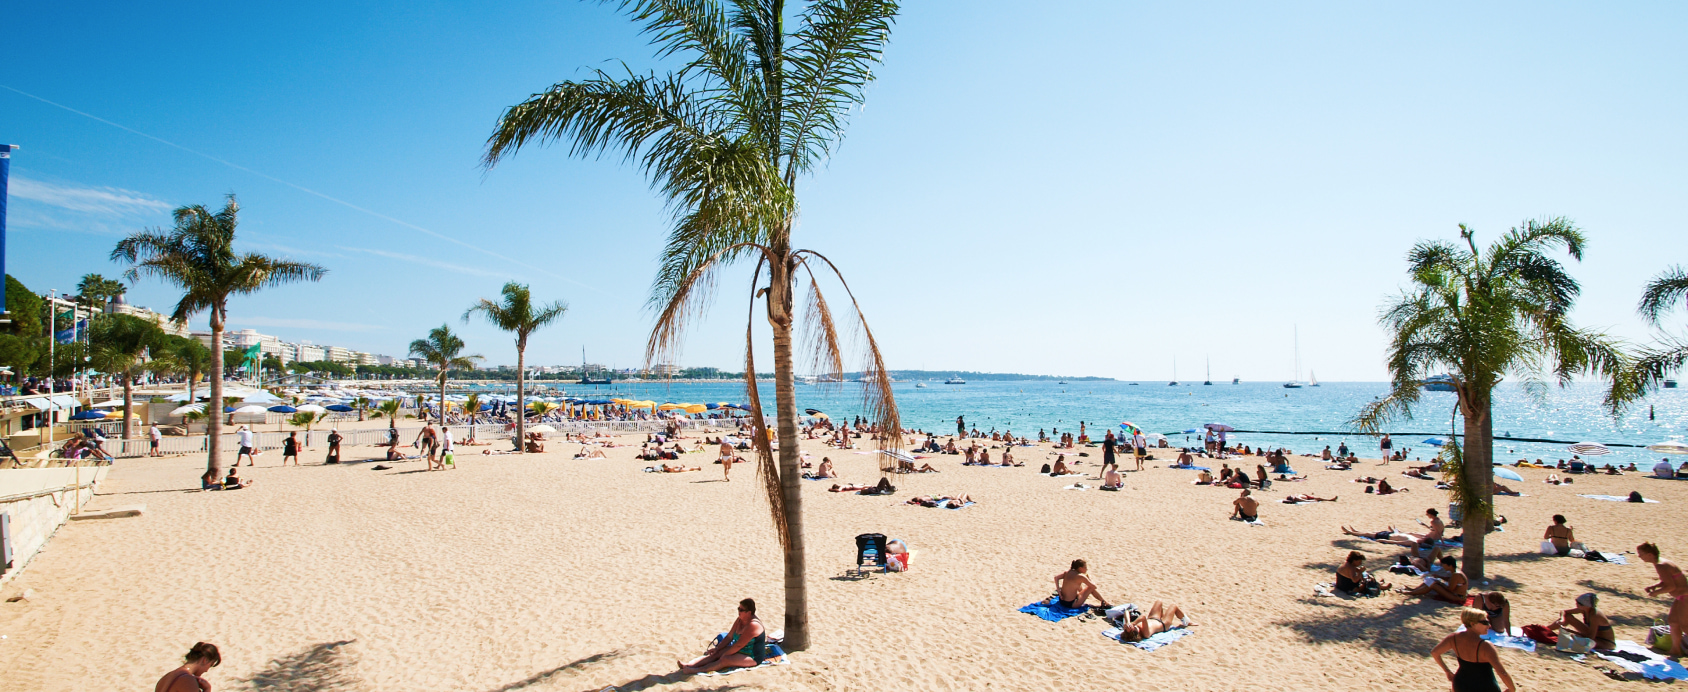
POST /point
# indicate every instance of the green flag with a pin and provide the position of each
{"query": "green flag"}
(252, 354)
(65, 317)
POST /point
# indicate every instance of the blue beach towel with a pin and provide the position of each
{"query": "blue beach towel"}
(1655, 668)
(1154, 642)
(1507, 640)
(1052, 612)
(1190, 468)
(970, 504)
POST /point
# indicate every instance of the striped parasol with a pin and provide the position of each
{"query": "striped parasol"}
(1590, 449)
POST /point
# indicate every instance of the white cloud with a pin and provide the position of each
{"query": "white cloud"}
(300, 323)
(459, 268)
(107, 201)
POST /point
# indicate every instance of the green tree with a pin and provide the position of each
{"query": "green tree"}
(472, 407)
(517, 314)
(390, 408)
(120, 344)
(725, 138)
(362, 405)
(1480, 316)
(195, 360)
(444, 350)
(199, 257)
(95, 291)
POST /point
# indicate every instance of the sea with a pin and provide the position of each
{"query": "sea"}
(1567, 415)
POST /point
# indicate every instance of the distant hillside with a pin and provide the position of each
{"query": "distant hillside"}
(978, 376)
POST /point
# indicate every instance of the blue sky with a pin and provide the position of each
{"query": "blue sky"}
(1025, 191)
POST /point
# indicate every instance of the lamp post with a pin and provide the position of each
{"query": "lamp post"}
(5, 174)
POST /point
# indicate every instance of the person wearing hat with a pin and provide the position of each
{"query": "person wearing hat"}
(334, 439)
(1586, 621)
(246, 445)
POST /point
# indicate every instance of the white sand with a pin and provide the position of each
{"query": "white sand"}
(542, 572)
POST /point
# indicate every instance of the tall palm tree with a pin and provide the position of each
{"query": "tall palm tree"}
(725, 139)
(120, 347)
(198, 256)
(443, 350)
(517, 314)
(1654, 364)
(1481, 315)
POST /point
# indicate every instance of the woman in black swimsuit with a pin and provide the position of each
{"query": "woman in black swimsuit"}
(1479, 663)
(1352, 577)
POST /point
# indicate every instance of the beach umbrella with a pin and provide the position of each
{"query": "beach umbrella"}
(228, 409)
(1509, 474)
(1128, 425)
(1671, 447)
(822, 416)
(1219, 427)
(1590, 449)
(284, 408)
(89, 415)
(1435, 442)
(813, 411)
(670, 406)
(340, 408)
(178, 397)
(541, 429)
(696, 408)
(312, 408)
(254, 408)
(196, 408)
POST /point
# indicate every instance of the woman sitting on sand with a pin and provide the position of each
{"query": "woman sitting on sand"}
(743, 646)
(1499, 609)
(826, 471)
(1352, 577)
(535, 444)
(1060, 466)
(1159, 619)
(1446, 584)
(1384, 488)
(1560, 534)
(1586, 621)
(1008, 457)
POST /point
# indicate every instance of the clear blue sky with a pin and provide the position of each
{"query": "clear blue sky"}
(1023, 191)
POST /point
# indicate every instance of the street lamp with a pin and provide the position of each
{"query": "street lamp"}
(5, 175)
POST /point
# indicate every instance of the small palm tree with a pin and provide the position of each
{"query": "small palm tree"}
(1654, 364)
(1480, 315)
(725, 139)
(517, 314)
(362, 405)
(198, 256)
(443, 350)
(306, 419)
(542, 409)
(390, 408)
(120, 347)
(471, 407)
(188, 419)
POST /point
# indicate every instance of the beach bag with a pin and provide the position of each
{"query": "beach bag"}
(1045, 468)
(1541, 634)
(1635, 496)
(1548, 549)
(1571, 643)
(1658, 637)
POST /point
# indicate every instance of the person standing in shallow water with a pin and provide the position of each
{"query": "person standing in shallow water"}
(961, 426)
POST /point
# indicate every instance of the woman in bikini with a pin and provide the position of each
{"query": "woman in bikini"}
(1479, 663)
(1673, 584)
(1499, 609)
(1160, 618)
(743, 646)
(1586, 621)
(190, 677)
(1560, 534)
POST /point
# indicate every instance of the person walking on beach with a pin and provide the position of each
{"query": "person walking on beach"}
(1139, 447)
(191, 676)
(447, 448)
(1671, 583)
(425, 441)
(1479, 662)
(246, 444)
(290, 449)
(157, 437)
(1108, 462)
(334, 439)
(1384, 448)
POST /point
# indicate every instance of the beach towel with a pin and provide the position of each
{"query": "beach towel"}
(1655, 667)
(1053, 612)
(776, 657)
(1615, 498)
(1507, 640)
(965, 506)
(1190, 468)
(1065, 475)
(1154, 642)
(1614, 558)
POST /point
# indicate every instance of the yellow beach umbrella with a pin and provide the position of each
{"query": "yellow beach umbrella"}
(696, 408)
(670, 407)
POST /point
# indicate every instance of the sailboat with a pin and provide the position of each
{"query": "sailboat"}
(1174, 381)
(1312, 379)
(1209, 381)
(1296, 382)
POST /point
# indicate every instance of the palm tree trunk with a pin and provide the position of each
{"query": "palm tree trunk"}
(441, 412)
(1479, 477)
(128, 403)
(785, 399)
(214, 407)
(521, 399)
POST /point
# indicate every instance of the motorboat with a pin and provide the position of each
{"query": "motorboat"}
(955, 380)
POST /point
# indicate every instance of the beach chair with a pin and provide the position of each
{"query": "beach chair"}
(870, 551)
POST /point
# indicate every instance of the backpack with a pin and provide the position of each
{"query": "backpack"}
(1045, 468)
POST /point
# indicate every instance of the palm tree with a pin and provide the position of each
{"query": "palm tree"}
(198, 256)
(471, 408)
(306, 419)
(441, 350)
(1654, 364)
(541, 409)
(120, 347)
(95, 291)
(516, 314)
(189, 417)
(725, 139)
(195, 361)
(1480, 315)
(390, 408)
(362, 405)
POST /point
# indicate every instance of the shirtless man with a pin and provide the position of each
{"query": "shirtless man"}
(1435, 528)
(1245, 508)
(1674, 584)
(1073, 588)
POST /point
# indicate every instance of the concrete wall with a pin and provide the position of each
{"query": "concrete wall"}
(34, 520)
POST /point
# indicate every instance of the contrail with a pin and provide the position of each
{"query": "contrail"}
(300, 188)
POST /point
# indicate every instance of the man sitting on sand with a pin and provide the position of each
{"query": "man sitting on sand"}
(1184, 459)
(1112, 480)
(1060, 467)
(1073, 587)
(1159, 619)
(1446, 585)
(1245, 508)
(743, 646)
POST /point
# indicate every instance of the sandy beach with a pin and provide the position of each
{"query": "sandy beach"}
(541, 572)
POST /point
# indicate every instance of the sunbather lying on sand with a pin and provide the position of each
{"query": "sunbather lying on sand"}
(1158, 619)
(944, 501)
(591, 453)
(1073, 587)
(848, 487)
(1293, 499)
(665, 468)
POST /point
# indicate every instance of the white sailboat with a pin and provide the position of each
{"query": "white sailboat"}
(1296, 382)
(1312, 379)
(1174, 381)
(1209, 381)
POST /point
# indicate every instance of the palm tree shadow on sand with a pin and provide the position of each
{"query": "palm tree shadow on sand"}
(320, 668)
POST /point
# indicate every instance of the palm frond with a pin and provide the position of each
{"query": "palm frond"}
(1477, 504)
(766, 470)
(820, 335)
(830, 65)
(631, 114)
(702, 28)
(685, 295)
(878, 399)
(1666, 291)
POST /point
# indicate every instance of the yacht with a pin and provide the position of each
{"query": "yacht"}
(1209, 381)
(1670, 384)
(1439, 383)
(920, 385)
(955, 380)
(1296, 382)
(1236, 380)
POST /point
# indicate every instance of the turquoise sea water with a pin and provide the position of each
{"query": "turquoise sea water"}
(1572, 414)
